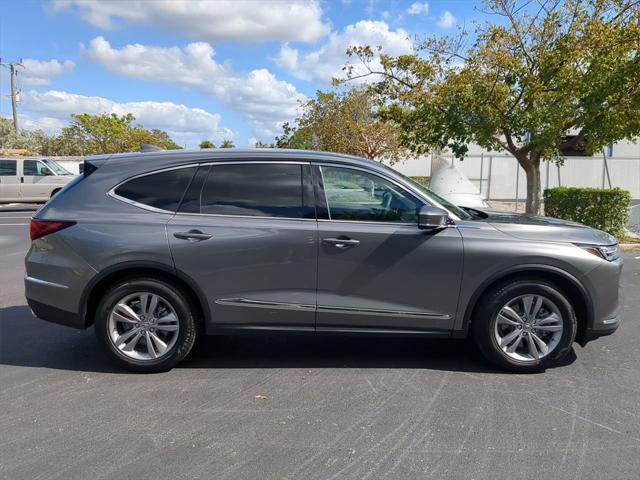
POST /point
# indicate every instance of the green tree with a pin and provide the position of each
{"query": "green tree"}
(292, 138)
(207, 144)
(348, 122)
(32, 141)
(110, 133)
(541, 72)
(260, 144)
(227, 144)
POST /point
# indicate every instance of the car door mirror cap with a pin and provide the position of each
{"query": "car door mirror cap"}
(433, 218)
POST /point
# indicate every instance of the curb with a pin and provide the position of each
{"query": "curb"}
(630, 247)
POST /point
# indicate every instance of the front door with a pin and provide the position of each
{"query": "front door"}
(246, 233)
(36, 185)
(376, 269)
(9, 183)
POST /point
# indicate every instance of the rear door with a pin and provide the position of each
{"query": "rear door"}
(9, 182)
(376, 269)
(36, 184)
(246, 233)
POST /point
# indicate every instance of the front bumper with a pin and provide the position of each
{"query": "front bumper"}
(601, 328)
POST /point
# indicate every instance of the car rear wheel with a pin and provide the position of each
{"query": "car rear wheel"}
(525, 326)
(146, 325)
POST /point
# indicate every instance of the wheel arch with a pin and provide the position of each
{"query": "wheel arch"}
(107, 277)
(570, 285)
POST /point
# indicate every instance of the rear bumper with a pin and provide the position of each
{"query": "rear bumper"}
(55, 315)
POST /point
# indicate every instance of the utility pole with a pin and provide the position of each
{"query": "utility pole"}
(14, 90)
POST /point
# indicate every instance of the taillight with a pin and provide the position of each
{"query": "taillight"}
(40, 228)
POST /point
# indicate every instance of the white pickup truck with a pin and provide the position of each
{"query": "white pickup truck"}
(31, 179)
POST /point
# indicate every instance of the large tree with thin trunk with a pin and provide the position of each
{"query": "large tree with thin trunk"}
(347, 121)
(545, 75)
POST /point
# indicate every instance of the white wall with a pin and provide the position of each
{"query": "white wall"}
(624, 171)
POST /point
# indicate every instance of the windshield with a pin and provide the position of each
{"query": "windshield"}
(57, 168)
(445, 203)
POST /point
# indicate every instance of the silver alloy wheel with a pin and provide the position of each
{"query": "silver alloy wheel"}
(528, 328)
(143, 326)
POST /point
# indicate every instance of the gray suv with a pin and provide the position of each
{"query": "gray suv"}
(155, 249)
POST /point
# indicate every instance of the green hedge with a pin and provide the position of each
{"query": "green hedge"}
(604, 209)
(422, 180)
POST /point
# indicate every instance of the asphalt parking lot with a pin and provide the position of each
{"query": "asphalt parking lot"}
(312, 408)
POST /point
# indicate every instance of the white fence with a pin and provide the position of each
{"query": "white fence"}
(499, 177)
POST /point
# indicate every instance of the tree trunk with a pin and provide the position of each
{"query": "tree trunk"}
(531, 166)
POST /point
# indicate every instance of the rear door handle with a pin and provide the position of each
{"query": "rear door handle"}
(192, 235)
(341, 242)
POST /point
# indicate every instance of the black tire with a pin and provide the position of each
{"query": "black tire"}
(188, 324)
(54, 192)
(485, 317)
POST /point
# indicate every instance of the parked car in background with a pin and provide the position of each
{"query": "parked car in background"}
(157, 248)
(31, 180)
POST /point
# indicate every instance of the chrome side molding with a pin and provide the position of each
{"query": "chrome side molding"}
(247, 302)
(384, 312)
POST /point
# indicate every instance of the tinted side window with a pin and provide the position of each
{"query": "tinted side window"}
(8, 168)
(161, 190)
(34, 168)
(361, 196)
(265, 190)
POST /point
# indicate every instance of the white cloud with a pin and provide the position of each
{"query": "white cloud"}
(211, 20)
(259, 96)
(39, 72)
(418, 8)
(447, 20)
(327, 62)
(49, 124)
(185, 125)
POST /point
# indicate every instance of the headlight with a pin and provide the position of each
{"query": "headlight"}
(608, 252)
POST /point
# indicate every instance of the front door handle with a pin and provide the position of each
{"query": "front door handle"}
(192, 235)
(341, 242)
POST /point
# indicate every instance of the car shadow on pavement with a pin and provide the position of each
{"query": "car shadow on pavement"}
(29, 342)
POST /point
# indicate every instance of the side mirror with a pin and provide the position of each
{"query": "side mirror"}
(432, 218)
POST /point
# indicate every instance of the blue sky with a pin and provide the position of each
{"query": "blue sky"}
(198, 69)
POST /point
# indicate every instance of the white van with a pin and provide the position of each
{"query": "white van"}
(31, 179)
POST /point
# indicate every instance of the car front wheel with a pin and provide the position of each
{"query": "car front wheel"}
(525, 326)
(146, 325)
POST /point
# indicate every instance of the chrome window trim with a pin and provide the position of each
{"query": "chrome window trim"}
(407, 188)
(244, 216)
(371, 222)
